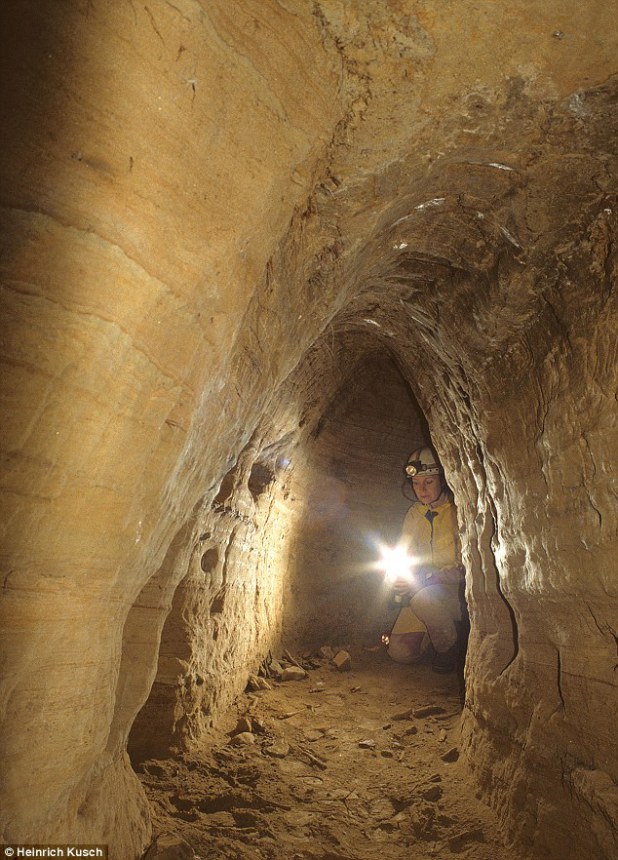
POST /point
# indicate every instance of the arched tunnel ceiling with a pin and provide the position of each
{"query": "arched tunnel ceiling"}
(455, 203)
(430, 247)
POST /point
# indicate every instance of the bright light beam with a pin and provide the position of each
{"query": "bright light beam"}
(396, 564)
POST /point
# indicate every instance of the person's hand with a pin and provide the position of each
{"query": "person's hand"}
(400, 586)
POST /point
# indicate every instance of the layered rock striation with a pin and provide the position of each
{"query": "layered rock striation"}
(232, 237)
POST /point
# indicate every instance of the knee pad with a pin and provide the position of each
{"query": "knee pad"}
(408, 647)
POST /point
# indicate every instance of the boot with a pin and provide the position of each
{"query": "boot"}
(446, 661)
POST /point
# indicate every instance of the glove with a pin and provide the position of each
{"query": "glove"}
(398, 599)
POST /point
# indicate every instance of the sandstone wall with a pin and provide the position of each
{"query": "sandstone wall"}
(194, 200)
(150, 168)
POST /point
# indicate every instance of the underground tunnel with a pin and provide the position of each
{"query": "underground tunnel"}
(254, 254)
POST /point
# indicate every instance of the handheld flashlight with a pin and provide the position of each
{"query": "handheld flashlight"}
(397, 564)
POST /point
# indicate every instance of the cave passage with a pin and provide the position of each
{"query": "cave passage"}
(252, 255)
(353, 499)
(305, 517)
(333, 750)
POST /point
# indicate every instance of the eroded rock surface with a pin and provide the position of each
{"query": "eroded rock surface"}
(224, 225)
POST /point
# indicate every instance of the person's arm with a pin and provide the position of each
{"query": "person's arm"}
(445, 575)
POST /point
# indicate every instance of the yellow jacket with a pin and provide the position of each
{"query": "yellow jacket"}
(435, 544)
(436, 550)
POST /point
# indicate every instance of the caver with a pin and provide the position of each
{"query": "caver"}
(432, 596)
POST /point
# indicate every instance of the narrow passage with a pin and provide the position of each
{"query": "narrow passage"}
(342, 765)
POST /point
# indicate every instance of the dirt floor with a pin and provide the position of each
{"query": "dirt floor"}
(342, 765)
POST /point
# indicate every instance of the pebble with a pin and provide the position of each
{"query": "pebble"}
(276, 668)
(343, 661)
(219, 819)
(367, 745)
(450, 755)
(432, 794)
(293, 673)
(279, 749)
(256, 683)
(315, 780)
(243, 725)
(258, 726)
(314, 735)
(427, 711)
(243, 739)
(168, 847)
(402, 715)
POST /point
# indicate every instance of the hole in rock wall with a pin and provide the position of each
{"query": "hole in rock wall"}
(209, 560)
(226, 488)
(260, 478)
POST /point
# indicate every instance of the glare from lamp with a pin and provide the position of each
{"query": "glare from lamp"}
(396, 564)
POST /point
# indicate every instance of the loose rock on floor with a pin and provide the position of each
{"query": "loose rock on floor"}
(356, 766)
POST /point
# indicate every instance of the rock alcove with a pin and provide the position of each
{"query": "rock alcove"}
(252, 253)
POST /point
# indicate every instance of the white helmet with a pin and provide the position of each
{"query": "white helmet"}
(423, 461)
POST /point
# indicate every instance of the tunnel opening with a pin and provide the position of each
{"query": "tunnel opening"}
(328, 498)
(352, 484)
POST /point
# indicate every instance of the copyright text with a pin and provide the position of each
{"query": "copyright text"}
(55, 851)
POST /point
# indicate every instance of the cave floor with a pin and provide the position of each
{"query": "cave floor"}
(355, 765)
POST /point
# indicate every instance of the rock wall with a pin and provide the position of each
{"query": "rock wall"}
(201, 210)
(150, 168)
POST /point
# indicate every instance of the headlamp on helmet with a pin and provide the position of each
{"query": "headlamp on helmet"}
(423, 462)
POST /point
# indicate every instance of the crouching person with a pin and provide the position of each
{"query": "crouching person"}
(433, 606)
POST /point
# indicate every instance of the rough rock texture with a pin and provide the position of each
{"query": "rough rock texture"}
(212, 213)
(358, 763)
